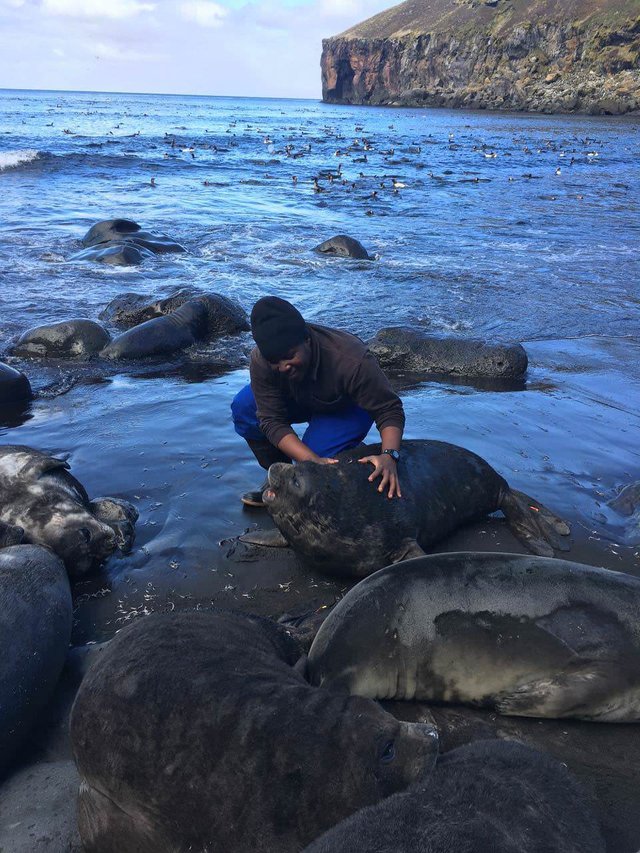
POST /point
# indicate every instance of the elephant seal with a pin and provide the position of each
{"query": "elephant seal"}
(492, 795)
(131, 309)
(126, 231)
(114, 254)
(201, 318)
(525, 636)
(39, 495)
(342, 246)
(70, 339)
(337, 522)
(402, 348)
(194, 731)
(35, 629)
(14, 385)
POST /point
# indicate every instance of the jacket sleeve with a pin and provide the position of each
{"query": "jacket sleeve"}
(272, 411)
(370, 389)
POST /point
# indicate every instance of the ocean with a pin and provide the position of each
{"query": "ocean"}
(509, 227)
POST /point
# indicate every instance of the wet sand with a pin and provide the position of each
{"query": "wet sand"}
(570, 439)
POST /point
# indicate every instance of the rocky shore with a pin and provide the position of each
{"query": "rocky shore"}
(545, 56)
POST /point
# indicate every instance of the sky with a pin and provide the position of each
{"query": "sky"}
(202, 47)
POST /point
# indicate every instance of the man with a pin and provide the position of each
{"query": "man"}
(305, 373)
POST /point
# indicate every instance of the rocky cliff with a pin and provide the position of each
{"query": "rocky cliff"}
(536, 55)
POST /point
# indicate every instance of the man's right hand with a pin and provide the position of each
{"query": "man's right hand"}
(325, 460)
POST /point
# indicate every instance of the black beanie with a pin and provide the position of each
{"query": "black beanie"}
(277, 327)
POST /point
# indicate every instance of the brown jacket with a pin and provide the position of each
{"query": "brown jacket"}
(342, 372)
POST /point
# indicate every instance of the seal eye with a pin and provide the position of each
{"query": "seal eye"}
(388, 752)
(295, 481)
(85, 534)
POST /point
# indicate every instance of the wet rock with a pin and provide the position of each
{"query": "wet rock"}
(401, 348)
(14, 385)
(344, 247)
(126, 231)
(69, 339)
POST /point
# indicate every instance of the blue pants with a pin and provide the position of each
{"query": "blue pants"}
(326, 435)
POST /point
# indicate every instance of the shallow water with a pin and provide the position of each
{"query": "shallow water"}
(549, 259)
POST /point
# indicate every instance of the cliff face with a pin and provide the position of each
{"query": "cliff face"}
(536, 55)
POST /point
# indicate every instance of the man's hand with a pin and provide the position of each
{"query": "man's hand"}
(325, 460)
(386, 466)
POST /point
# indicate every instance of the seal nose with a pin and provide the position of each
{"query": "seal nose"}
(275, 472)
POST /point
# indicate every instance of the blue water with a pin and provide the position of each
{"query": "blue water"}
(478, 245)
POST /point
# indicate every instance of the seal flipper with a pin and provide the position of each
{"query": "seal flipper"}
(407, 549)
(267, 538)
(533, 524)
(581, 690)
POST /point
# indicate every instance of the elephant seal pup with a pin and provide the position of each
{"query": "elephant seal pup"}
(197, 319)
(194, 731)
(342, 246)
(14, 385)
(492, 795)
(35, 629)
(70, 339)
(401, 348)
(131, 309)
(525, 636)
(39, 495)
(337, 522)
(126, 231)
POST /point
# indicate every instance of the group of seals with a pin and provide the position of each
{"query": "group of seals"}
(336, 522)
(35, 629)
(521, 635)
(194, 731)
(122, 242)
(43, 504)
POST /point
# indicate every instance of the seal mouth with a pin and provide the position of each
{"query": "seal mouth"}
(268, 496)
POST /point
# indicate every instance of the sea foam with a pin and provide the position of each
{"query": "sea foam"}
(11, 159)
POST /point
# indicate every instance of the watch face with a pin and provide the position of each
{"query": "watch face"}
(393, 454)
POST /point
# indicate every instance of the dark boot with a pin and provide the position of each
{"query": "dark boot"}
(266, 454)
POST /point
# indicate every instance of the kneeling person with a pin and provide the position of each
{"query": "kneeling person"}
(306, 373)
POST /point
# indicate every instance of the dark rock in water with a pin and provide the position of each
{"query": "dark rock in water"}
(401, 348)
(115, 254)
(344, 247)
(199, 319)
(492, 795)
(14, 385)
(38, 809)
(39, 495)
(211, 740)
(131, 309)
(35, 629)
(628, 501)
(126, 231)
(70, 339)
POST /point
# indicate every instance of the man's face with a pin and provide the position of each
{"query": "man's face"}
(295, 363)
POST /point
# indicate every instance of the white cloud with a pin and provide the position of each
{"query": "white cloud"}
(114, 9)
(204, 12)
(104, 50)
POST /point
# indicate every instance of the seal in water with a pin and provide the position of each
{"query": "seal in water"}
(39, 495)
(342, 246)
(201, 318)
(35, 630)
(69, 339)
(492, 795)
(194, 731)
(526, 636)
(402, 348)
(114, 231)
(14, 385)
(337, 522)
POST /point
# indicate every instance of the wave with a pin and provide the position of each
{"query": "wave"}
(13, 159)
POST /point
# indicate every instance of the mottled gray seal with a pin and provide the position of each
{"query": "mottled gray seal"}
(336, 521)
(35, 629)
(342, 246)
(39, 495)
(14, 385)
(69, 339)
(131, 309)
(194, 731)
(114, 231)
(114, 254)
(197, 319)
(523, 635)
(401, 348)
(491, 796)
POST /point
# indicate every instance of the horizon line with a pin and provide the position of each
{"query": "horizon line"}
(164, 94)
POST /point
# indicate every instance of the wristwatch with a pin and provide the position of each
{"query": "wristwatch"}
(394, 454)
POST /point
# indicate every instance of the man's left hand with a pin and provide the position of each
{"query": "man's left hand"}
(386, 466)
